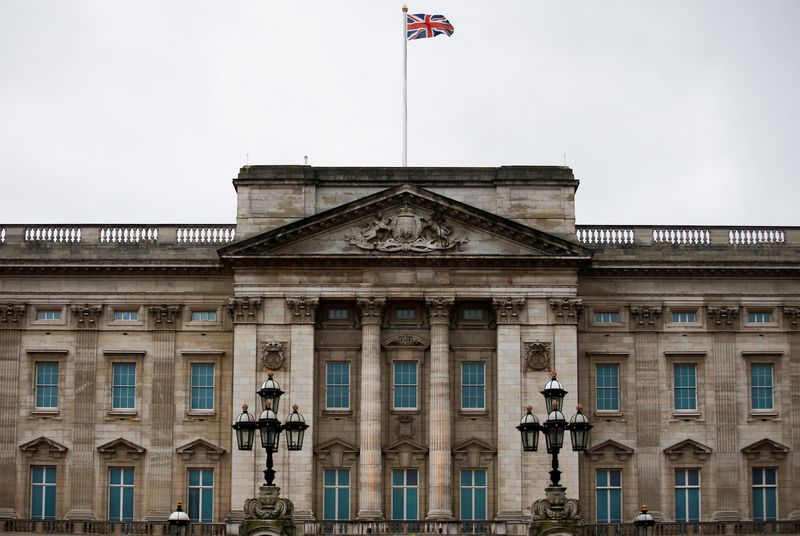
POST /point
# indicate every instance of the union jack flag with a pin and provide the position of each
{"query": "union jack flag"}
(420, 26)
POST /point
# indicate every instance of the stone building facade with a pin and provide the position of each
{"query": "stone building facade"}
(411, 313)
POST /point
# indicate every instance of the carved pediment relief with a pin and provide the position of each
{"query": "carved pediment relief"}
(199, 449)
(403, 452)
(42, 447)
(609, 449)
(121, 449)
(765, 450)
(405, 340)
(400, 222)
(688, 449)
(336, 453)
(474, 451)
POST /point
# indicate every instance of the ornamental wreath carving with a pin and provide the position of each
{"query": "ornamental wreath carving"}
(273, 354)
(537, 355)
(406, 231)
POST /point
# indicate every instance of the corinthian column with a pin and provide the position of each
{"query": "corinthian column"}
(370, 488)
(440, 464)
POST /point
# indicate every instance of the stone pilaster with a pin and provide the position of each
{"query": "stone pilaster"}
(245, 474)
(370, 484)
(11, 317)
(726, 458)
(794, 376)
(648, 420)
(162, 414)
(440, 471)
(509, 403)
(300, 489)
(81, 466)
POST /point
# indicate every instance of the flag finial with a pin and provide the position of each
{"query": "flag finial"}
(405, 8)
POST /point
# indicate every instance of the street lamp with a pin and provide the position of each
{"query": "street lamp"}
(644, 523)
(554, 426)
(178, 522)
(270, 426)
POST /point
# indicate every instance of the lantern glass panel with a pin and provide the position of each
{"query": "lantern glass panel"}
(530, 440)
(554, 437)
(245, 436)
(269, 437)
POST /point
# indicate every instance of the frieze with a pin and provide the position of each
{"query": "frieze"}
(273, 354)
(164, 315)
(244, 308)
(508, 309)
(11, 314)
(645, 316)
(537, 355)
(371, 309)
(792, 314)
(303, 309)
(723, 317)
(567, 310)
(86, 314)
(407, 231)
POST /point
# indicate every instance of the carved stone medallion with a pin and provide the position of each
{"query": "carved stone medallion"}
(405, 428)
(537, 355)
(273, 354)
(406, 231)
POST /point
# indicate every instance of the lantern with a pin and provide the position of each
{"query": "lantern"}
(579, 430)
(529, 430)
(295, 427)
(245, 427)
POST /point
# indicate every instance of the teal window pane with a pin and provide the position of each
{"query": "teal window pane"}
(473, 314)
(336, 494)
(765, 494)
(329, 501)
(606, 317)
(203, 386)
(412, 504)
(343, 510)
(466, 478)
(124, 386)
(473, 385)
(201, 495)
(473, 494)
(608, 496)
(602, 506)
(398, 504)
(685, 390)
(615, 505)
(683, 318)
(466, 503)
(761, 386)
(338, 314)
(607, 387)
(693, 501)
(397, 477)
(47, 385)
(405, 385)
(120, 493)
(480, 504)
(406, 314)
(680, 505)
(337, 385)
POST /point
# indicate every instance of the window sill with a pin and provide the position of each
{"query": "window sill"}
(121, 414)
(405, 411)
(337, 412)
(198, 415)
(687, 416)
(474, 413)
(610, 415)
(763, 416)
(45, 413)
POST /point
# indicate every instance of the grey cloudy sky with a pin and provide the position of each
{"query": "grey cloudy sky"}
(669, 112)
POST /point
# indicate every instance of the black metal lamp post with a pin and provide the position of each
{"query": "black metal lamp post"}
(178, 522)
(270, 426)
(554, 426)
(644, 523)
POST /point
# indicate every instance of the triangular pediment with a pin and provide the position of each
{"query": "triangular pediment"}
(408, 224)
(688, 447)
(609, 447)
(473, 444)
(119, 448)
(765, 449)
(42, 445)
(405, 445)
(200, 446)
(336, 444)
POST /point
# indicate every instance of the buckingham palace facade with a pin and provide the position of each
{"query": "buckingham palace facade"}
(412, 314)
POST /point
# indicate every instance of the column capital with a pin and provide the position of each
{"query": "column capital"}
(371, 309)
(303, 309)
(86, 315)
(164, 315)
(567, 310)
(11, 314)
(439, 308)
(508, 309)
(243, 308)
(646, 317)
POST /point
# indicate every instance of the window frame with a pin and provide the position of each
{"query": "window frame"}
(337, 487)
(404, 489)
(393, 319)
(679, 321)
(60, 321)
(395, 384)
(608, 489)
(686, 489)
(597, 388)
(473, 487)
(123, 356)
(772, 391)
(764, 487)
(134, 386)
(202, 490)
(598, 319)
(349, 386)
(191, 398)
(49, 491)
(46, 409)
(199, 311)
(463, 385)
(121, 487)
(675, 388)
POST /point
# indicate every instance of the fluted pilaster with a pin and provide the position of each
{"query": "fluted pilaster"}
(440, 422)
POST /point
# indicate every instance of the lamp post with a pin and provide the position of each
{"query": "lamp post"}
(178, 522)
(270, 426)
(556, 506)
(644, 523)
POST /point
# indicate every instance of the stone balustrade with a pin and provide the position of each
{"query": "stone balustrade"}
(64, 526)
(212, 235)
(594, 236)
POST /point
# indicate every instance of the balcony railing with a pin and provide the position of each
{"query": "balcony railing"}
(693, 236)
(137, 528)
(212, 235)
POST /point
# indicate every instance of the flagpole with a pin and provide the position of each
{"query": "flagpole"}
(405, 89)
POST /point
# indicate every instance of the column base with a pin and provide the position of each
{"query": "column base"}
(726, 515)
(370, 515)
(232, 522)
(8, 513)
(440, 514)
(80, 514)
(304, 515)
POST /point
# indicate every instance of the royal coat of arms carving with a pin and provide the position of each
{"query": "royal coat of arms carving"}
(406, 231)
(273, 354)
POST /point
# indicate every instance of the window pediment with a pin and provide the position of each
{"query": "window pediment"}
(765, 449)
(686, 449)
(198, 446)
(32, 448)
(120, 447)
(609, 448)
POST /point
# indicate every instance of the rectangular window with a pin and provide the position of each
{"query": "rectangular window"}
(43, 492)
(126, 315)
(201, 495)
(761, 386)
(473, 385)
(607, 387)
(764, 317)
(472, 314)
(606, 317)
(124, 386)
(46, 385)
(685, 387)
(204, 316)
(405, 491)
(609, 496)
(765, 494)
(337, 385)
(336, 313)
(54, 314)
(405, 385)
(687, 495)
(473, 494)
(684, 318)
(336, 494)
(202, 386)
(405, 314)
(120, 493)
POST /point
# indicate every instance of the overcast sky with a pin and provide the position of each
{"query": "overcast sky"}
(669, 112)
